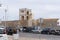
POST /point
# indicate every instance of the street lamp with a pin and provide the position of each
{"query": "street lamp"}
(5, 10)
(5, 15)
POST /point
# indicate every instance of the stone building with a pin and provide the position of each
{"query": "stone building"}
(50, 22)
(26, 20)
(25, 17)
(33, 22)
(10, 23)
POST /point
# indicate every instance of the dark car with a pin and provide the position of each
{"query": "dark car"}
(52, 31)
(11, 31)
(45, 31)
(48, 31)
(27, 29)
(24, 29)
(57, 32)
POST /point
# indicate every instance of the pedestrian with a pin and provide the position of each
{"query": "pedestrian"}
(16, 36)
(10, 37)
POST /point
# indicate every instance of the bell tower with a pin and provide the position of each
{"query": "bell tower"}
(25, 15)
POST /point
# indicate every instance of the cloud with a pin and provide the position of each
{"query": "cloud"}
(42, 8)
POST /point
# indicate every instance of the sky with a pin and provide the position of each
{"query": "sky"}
(40, 8)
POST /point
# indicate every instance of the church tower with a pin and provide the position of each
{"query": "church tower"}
(25, 17)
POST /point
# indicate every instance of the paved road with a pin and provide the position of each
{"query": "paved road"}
(30, 36)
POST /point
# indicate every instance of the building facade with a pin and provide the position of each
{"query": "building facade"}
(25, 17)
(26, 20)
(47, 23)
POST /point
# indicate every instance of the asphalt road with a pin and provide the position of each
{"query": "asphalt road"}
(30, 36)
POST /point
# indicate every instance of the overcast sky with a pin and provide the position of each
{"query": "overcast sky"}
(40, 8)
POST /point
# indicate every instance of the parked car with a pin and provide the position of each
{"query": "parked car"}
(57, 32)
(3, 35)
(45, 31)
(36, 30)
(52, 31)
(21, 29)
(11, 30)
(26, 29)
(48, 31)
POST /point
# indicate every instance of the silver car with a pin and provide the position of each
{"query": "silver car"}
(36, 30)
(3, 36)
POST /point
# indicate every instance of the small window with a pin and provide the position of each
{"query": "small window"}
(22, 11)
(27, 18)
(22, 17)
(27, 12)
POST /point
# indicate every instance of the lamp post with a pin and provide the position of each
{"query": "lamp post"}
(5, 15)
(5, 11)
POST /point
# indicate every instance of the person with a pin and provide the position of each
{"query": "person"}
(10, 37)
(14, 31)
(16, 36)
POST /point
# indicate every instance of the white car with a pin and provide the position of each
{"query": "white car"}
(3, 36)
(21, 29)
(36, 30)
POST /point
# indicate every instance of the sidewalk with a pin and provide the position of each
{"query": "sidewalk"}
(25, 38)
(13, 37)
(10, 37)
(21, 38)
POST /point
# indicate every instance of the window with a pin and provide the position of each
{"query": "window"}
(22, 17)
(27, 18)
(27, 12)
(22, 11)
